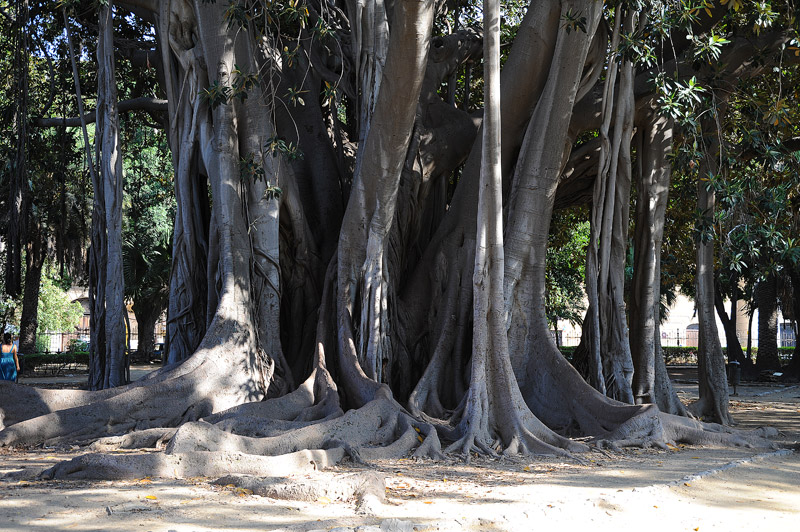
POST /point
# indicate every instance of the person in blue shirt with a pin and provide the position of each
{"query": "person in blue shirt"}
(9, 362)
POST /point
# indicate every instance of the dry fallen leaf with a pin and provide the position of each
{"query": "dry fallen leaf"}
(151, 497)
(324, 500)
(686, 484)
(526, 468)
(427, 502)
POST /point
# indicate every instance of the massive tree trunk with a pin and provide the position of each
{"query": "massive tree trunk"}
(194, 282)
(494, 415)
(450, 297)
(363, 298)
(439, 293)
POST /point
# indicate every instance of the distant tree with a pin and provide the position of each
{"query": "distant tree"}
(566, 267)
(149, 213)
(56, 312)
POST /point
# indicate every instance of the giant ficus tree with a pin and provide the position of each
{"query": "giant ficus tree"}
(332, 292)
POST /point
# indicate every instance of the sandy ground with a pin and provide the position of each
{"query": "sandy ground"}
(687, 488)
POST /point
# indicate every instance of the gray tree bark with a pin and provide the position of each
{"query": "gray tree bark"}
(608, 344)
(19, 194)
(651, 384)
(29, 320)
(362, 276)
(111, 174)
(713, 402)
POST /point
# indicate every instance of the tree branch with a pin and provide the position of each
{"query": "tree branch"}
(136, 104)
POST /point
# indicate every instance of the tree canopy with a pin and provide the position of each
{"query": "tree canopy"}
(370, 234)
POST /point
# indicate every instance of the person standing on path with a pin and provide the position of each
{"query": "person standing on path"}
(9, 363)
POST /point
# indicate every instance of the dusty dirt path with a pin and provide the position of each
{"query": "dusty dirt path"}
(739, 489)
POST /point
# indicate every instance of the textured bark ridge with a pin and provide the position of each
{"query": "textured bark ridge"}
(302, 331)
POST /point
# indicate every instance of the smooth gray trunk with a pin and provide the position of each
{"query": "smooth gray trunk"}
(651, 384)
(713, 381)
(111, 174)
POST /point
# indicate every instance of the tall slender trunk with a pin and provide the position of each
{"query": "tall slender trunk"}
(111, 174)
(713, 381)
(19, 196)
(734, 348)
(609, 345)
(651, 383)
(97, 250)
(29, 320)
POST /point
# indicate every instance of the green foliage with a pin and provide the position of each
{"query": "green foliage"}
(56, 312)
(76, 345)
(278, 146)
(679, 99)
(242, 83)
(216, 94)
(565, 270)
(42, 343)
(573, 21)
(54, 362)
(149, 215)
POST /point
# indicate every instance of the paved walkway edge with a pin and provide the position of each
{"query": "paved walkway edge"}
(731, 465)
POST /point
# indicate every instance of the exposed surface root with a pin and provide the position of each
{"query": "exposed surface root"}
(151, 438)
(359, 486)
(652, 428)
(379, 430)
(193, 464)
